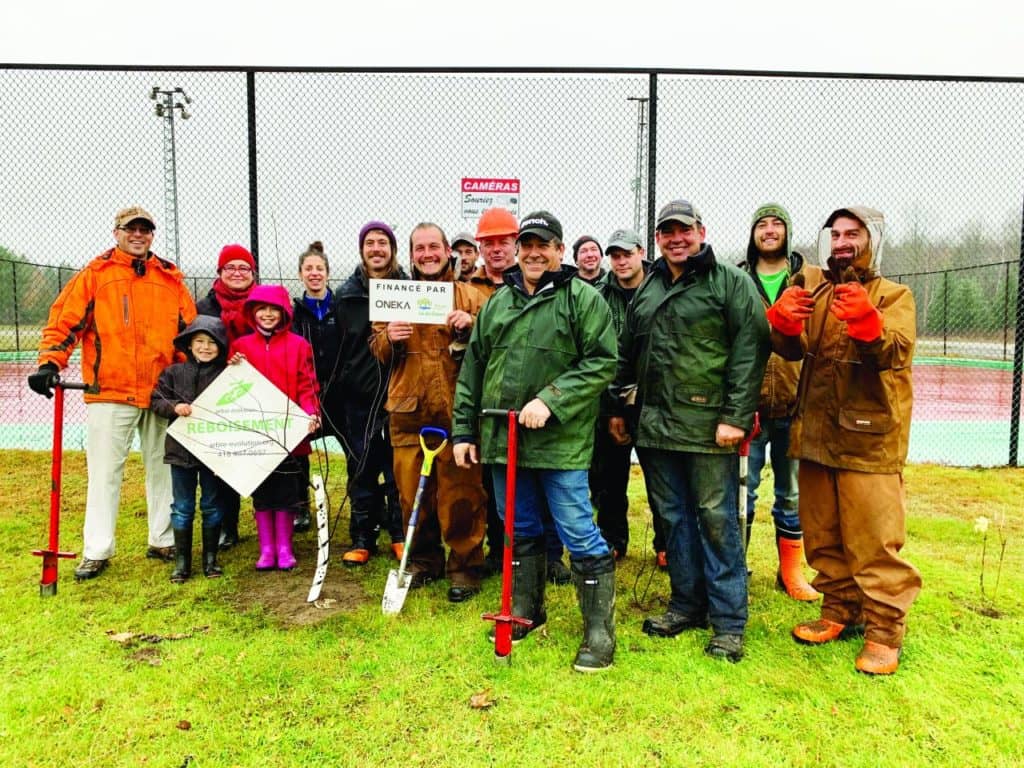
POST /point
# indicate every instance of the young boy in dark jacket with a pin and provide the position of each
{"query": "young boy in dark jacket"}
(205, 344)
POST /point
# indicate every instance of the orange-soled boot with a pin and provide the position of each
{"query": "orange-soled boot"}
(821, 631)
(355, 557)
(398, 549)
(791, 574)
(877, 659)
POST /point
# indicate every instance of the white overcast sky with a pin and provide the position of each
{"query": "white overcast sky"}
(870, 36)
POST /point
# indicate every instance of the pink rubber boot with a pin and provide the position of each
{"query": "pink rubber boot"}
(284, 525)
(265, 533)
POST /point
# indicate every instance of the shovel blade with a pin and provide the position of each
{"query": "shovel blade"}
(395, 590)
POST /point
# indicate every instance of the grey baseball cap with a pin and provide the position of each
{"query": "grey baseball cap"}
(682, 211)
(626, 239)
(464, 237)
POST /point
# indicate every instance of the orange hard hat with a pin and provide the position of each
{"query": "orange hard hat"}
(495, 222)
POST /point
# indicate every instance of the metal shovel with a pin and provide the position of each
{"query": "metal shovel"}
(397, 586)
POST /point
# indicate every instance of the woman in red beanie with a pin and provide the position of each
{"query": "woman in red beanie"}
(236, 276)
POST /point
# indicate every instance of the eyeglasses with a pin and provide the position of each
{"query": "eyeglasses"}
(243, 270)
(138, 229)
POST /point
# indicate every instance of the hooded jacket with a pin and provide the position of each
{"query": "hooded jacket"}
(558, 345)
(125, 322)
(778, 388)
(695, 350)
(855, 398)
(421, 389)
(184, 382)
(285, 358)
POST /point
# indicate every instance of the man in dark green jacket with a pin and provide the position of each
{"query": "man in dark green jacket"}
(545, 347)
(609, 471)
(691, 357)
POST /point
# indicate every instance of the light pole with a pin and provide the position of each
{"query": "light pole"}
(641, 158)
(165, 107)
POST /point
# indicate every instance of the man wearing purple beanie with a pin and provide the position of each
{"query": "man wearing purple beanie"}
(364, 385)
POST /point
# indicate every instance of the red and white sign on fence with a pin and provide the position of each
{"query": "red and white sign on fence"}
(480, 194)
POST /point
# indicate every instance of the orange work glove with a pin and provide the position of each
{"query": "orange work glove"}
(789, 311)
(863, 320)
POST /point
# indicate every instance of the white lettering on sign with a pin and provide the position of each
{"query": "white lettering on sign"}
(508, 186)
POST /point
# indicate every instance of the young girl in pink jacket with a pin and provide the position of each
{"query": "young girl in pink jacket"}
(287, 360)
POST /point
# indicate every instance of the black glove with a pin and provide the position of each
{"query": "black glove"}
(44, 380)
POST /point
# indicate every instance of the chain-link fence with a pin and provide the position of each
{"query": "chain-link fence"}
(277, 159)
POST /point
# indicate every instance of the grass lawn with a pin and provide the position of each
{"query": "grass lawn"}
(131, 670)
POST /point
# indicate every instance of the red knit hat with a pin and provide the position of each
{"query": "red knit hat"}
(235, 252)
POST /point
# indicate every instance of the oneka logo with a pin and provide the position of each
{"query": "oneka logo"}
(239, 390)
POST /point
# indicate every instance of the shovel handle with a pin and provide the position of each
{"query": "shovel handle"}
(429, 454)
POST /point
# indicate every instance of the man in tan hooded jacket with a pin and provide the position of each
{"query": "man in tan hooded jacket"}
(855, 332)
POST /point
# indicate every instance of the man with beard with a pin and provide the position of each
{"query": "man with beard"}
(466, 253)
(424, 361)
(770, 262)
(855, 332)
(363, 382)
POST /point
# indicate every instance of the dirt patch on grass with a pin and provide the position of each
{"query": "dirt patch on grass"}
(283, 594)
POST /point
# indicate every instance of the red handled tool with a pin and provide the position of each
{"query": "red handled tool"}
(744, 452)
(504, 620)
(51, 556)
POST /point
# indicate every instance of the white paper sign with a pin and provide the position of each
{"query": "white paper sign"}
(411, 301)
(241, 427)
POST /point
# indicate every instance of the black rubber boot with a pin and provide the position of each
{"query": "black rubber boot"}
(229, 527)
(594, 578)
(182, 555)
(211, 539)
(529, 566)
(303, 520)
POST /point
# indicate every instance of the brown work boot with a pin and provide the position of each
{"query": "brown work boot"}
(823, 631)
(877, 659)
(791, 575)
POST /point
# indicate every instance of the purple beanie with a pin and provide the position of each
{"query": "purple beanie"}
(371, 225)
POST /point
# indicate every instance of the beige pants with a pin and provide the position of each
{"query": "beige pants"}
(854, 528)
(110, 431)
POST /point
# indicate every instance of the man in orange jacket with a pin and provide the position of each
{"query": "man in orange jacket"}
(124, 308)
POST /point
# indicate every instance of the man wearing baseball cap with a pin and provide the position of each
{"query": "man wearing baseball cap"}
(609, 471)
(465, 252)
(691, 357)
(124, 307)
(544, 346)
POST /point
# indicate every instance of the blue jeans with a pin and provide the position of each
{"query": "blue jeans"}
(697, 497)
(184, 481)
(787, 497)
(566, 493)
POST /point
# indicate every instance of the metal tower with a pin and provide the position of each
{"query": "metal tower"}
(165, 109)
(639, 184)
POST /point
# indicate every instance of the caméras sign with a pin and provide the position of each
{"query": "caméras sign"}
(479, 194)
